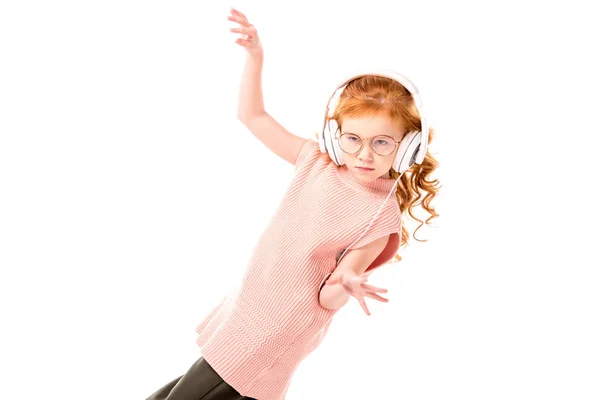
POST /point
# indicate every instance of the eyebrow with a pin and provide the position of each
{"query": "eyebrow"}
(381, 134)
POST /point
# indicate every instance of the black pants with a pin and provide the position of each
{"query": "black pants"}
(200, 382)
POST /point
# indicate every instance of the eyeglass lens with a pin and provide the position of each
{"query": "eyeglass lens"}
(382, 145)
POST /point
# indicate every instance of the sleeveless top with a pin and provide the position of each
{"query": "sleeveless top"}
(256, 337)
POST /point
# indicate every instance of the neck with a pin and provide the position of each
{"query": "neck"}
(378, 186)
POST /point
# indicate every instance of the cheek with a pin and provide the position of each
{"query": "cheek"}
(386, 164)
(349, 157)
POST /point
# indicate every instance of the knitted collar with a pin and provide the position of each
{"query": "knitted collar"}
(380, 186)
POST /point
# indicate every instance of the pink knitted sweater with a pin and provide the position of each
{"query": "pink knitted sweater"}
(256, 337)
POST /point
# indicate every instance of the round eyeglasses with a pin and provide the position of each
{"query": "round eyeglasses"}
(383, 145)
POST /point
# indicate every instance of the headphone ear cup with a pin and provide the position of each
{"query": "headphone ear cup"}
(339, 154)
(322, 140)
(407, 151)
(335, 153)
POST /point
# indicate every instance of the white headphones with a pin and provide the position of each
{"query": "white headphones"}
(413, 146)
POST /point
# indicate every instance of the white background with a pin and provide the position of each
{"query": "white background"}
(131, 197)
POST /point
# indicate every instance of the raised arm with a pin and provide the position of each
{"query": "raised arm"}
(251, 110)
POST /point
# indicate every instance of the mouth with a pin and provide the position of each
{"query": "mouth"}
(365, 169)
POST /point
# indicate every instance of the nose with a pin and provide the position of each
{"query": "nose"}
(366, 153)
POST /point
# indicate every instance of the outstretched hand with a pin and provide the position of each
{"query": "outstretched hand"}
(251, 43)
(357, 287)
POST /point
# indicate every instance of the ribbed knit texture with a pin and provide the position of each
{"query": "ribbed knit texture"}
(256, 337)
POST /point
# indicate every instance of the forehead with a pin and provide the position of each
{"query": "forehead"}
(369, 126)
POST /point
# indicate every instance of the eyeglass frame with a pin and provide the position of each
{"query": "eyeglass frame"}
(370, 143)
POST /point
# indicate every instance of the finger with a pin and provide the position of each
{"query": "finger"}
(243, 31)
(374, 288)
(235, 18)
(250, 31)
(241, 14)
(332, 281)
(377, 297)
(244, 42)
(238, 14)
(364, 306)
(239, 20)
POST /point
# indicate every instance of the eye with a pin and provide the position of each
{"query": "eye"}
(351, 138)
(381, 142)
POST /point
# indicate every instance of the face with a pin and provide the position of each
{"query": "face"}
(367, 128)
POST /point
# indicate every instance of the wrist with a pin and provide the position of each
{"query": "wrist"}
(256, 55)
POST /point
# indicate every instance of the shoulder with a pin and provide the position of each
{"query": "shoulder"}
(309, 153)
(385, 227)
(374, 247)
(362, 258)
(390, 215)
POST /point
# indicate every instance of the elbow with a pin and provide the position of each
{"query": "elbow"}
(242, 118)
(326, 304)
(245, 117)
(241, 115)
(333, 297)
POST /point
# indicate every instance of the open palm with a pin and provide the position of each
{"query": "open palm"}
(357, 287)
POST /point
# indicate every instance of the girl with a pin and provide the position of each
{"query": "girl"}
(316, 252)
